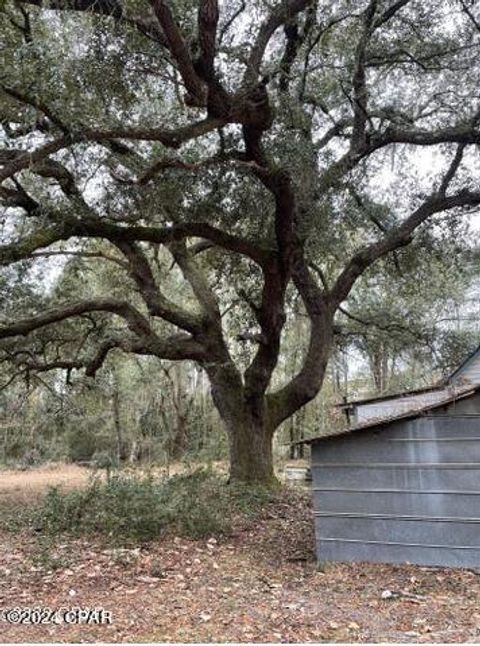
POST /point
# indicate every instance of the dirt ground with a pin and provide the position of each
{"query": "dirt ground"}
(23, 484)
(259, 584)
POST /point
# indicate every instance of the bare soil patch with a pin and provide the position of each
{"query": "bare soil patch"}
(259, 584)
(22, 485)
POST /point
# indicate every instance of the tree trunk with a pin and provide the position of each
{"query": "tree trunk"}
(251, 454)
(251, 416)
(116, 420)
(249, 435)
(180, 439)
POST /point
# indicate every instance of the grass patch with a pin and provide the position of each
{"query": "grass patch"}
(133, 508)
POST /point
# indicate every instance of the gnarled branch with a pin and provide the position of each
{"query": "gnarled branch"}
(134, 319)
(398, 237)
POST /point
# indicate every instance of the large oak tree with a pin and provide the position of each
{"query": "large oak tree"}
(233, 136)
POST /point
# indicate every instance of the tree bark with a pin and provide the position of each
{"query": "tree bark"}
(251, 455)
(249, 433)
(116, 420)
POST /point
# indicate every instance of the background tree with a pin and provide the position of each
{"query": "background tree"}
(415, 318)
(229, 146)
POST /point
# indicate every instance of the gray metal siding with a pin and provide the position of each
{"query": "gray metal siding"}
(409, 531)
(397, 553)
(410, 502)
(399, 477)
(407, 493)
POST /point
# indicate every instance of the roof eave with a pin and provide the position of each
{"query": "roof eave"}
(386, 421)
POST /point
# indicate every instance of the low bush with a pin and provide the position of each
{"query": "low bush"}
(127, 508)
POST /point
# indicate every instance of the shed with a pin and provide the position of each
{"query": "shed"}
(402, 489)
(361, 410)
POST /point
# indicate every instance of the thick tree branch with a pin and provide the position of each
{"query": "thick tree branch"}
(276, 276)
(169, 138)
(102, 7)
(134, 319)
(197, 94)
(305, 385)
(466, 133)
(294, 40)
(24, 248)
(197, 281)
(106, 8)
(452, 170)
(208, 16)
(173, 348)
(279, 15)
(178, 347)
(82, 254)
(19, 198)
(359, 82)
(157, 303)
(66, 227)
(398, 237)
(389, 13)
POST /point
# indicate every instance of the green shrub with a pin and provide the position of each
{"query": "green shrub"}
(82, 444)
(142, 508)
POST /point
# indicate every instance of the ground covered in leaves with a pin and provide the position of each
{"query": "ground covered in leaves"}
(258, 583)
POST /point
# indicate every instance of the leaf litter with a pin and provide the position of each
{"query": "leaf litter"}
(261, 583)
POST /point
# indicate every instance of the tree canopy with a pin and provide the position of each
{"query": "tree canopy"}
(257, 151)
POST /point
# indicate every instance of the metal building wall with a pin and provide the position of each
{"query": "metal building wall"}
(407, 493)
